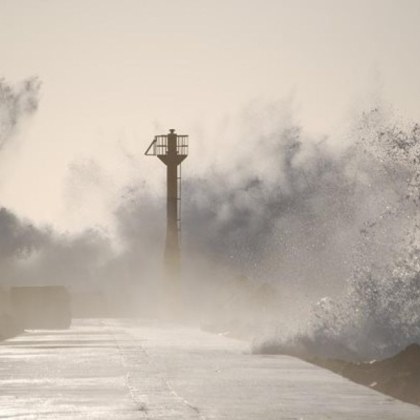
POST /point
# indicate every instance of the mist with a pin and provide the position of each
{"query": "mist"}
(278, 216)
(17, 103)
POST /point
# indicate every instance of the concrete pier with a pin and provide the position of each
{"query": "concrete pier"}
(114, 369)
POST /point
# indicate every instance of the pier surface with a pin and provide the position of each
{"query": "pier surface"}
(133, 369)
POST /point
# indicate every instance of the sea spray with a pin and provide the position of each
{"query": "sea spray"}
(294, 212)
(16, 102)
(379, 313)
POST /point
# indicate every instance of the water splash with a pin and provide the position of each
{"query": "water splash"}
(379, 313)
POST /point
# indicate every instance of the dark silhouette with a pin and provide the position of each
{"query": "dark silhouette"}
(171, 149)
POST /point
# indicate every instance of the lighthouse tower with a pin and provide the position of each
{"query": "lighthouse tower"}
(171, 149)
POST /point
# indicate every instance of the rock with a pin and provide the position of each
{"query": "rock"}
(397, 376)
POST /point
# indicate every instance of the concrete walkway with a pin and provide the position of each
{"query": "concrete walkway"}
(117, 369)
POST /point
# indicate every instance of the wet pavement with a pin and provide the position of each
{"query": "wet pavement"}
(126, 369)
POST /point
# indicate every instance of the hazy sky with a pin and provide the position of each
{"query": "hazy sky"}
(115, 73)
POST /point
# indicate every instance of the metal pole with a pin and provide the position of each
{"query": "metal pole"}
(172, 253)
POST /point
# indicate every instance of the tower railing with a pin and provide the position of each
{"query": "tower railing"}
(159, 146)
